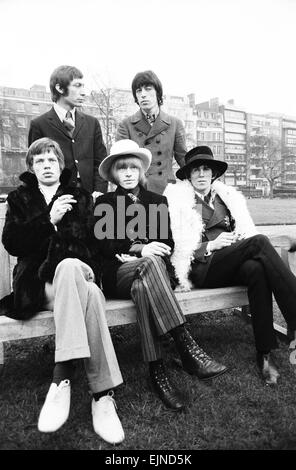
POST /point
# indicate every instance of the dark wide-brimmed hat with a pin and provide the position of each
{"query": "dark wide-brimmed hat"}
(201, 155)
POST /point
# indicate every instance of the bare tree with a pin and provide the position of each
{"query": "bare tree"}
(266, 152)
(109, 101)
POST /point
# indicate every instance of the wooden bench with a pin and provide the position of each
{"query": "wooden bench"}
(122, 312)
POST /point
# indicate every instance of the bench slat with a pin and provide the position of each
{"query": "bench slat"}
(122, 312)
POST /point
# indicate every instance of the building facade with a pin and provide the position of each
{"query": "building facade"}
(210, 127)
(226, 128)
(235, 143)
(289, 151)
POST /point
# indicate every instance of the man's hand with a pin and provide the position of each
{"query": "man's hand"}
(156, 248)
(60, 206)
(224, 239)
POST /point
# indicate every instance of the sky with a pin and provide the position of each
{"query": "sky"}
(231, 49)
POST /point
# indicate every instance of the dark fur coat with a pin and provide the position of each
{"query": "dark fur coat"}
(116, 245)
(29, 235)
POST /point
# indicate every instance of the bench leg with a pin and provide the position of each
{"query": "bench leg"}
(244, 313)
(1, 357)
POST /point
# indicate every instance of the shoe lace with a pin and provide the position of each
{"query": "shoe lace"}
(109, 403)
(194, 349)
(162, 379)
(55, 398)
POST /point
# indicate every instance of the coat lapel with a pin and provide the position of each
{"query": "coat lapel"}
(161, 123)
(79, 120)
(218, 214)
(56, 122)
(140, 123)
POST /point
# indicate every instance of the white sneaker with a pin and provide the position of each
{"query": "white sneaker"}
(105, 420)
(55, 410)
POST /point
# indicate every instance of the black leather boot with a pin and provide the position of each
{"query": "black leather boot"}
(194, 360)
(291, 335)
(163, 387)
(267, 368)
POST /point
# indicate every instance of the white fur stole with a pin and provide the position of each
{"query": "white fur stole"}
(187, 225)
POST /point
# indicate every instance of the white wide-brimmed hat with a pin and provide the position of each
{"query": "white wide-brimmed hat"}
(119, 149)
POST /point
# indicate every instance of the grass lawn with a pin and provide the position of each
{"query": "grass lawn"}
(234, 411)
(273, 211)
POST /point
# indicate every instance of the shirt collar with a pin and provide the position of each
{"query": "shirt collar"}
(212, 197)
(153, 113)
(61, 112)
(202, 196)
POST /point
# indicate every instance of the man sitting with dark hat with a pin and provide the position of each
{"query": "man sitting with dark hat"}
(217, 245)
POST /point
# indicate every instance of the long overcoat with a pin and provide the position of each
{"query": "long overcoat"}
(165, 139)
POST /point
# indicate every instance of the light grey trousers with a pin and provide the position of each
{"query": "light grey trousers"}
(78, 306)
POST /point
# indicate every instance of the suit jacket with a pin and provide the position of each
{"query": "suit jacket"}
(119, 241)
(29, 235)
(215, 221)
(165, 139)
(84, 151)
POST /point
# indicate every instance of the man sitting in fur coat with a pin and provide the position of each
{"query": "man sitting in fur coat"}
(49, 227)
(217, 245)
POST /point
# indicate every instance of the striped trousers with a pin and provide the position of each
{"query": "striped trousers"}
(146, 281)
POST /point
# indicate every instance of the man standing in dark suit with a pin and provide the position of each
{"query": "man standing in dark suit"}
(150, 127)
(79, 135)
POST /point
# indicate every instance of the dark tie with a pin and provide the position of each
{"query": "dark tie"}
(69, 123)
(150, 118)
(207, 198)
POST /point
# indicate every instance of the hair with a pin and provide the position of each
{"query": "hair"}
(125, 162)
(44, 145)
(62, 76)
(147, 78)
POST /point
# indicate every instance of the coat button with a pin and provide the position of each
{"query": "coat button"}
(158, 163)
(158, 141)
(76, 161)
(159, 152)
(160, 173)
(147, 142)
(73, 141)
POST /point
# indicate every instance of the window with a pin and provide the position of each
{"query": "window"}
(234, 137)
(35, 108)
(291, 141)
(21, 121)
(6, 121)
(20, 107)
(235, 127)
(234, 115)
(15, 142)
(22, 142)
(7, 141)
